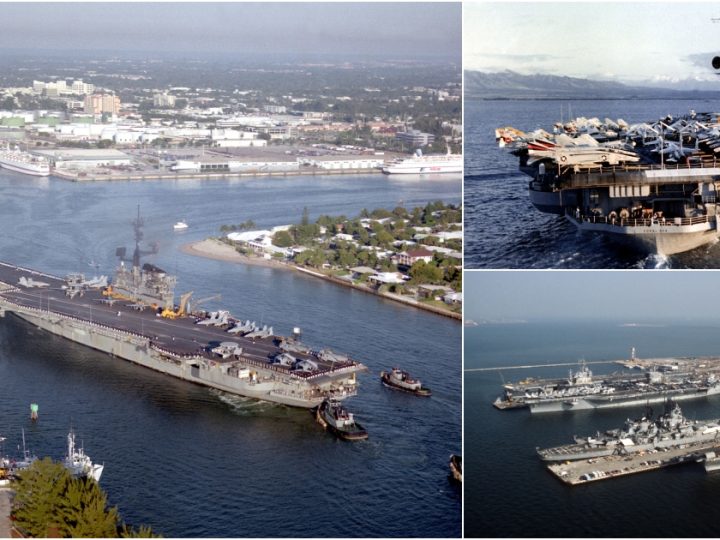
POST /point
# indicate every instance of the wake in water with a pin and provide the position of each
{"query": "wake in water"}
(655, 261)
(245, 406)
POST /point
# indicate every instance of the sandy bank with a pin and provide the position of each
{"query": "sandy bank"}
(215, 249)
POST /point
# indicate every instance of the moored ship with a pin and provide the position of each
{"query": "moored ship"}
(425, 164)
(23, 162)
(582, 391)
(652, 185)
(79, 463)
(670, 430)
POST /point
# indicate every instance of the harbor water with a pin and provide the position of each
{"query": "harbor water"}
(193, 462)
(508, 490)
(502, 228)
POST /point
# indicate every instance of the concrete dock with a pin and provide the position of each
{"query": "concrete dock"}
(592, 470)
(5, 506)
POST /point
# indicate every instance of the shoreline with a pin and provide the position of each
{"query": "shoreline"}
(219, 251)
(158, 175)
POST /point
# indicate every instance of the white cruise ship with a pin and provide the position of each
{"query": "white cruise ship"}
(419, 164)
(23, 162)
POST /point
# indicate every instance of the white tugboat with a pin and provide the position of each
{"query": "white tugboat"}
(401, 380)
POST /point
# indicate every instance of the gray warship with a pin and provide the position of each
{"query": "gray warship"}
(670, 430)
(582, 391)
(135, 318)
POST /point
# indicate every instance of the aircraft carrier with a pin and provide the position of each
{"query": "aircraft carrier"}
(582, 391)
(135, 318)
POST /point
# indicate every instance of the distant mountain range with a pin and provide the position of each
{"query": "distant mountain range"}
(511, 85)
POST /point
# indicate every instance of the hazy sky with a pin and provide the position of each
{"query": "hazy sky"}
(626, 296)
(390, 29)
(622, 41)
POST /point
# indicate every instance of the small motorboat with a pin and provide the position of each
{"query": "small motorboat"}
(401, 380)
(180, 225)
(335, 418)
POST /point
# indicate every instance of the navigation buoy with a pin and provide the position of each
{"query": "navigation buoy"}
(34, 411)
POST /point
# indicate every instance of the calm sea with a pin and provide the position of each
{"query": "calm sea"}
(502, 228)
(508, 491)
(193, 462)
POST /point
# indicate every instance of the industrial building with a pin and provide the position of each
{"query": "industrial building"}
(67, 158)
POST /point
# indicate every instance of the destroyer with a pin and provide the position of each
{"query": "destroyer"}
(581, 391)
(652, 184)
(135, 318)
(671, 430)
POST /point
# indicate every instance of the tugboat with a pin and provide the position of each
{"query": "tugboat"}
(334, 417)
(456, 467)
(401, 380)
(80, 464)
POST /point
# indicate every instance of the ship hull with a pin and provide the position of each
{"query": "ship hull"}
(608, 402)
(423, 170)
(656, 238)
(24, 170)
(137, 349)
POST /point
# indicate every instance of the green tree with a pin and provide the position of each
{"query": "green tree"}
(422, 272)
(39, 495)
(282, 239)
(83, 511)
(49, 501)
(141, 532)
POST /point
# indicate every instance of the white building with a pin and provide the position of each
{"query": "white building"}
(80, 88)
(345, 162)
(232, 138)
(164, 100)
(84, 158)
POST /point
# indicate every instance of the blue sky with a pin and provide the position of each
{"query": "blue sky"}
(388, 29)
(625, 296)
(629, 42)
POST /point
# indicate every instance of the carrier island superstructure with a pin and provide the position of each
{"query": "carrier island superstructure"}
(135, 318)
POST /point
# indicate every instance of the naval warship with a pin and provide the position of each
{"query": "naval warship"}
(651, 184)
(670, 430)
(135, 318)
(582, 391)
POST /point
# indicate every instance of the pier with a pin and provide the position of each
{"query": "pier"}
(555, 364)
(604, 468)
